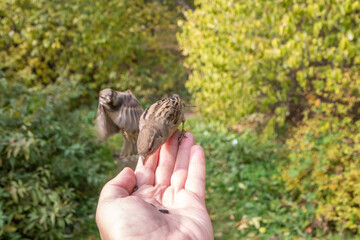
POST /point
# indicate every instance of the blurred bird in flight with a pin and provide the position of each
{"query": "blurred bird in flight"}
(119, 112)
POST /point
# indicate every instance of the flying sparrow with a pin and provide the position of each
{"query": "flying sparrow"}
(119, 111)
(158, 123)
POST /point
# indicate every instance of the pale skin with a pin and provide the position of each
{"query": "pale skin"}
(172, 179)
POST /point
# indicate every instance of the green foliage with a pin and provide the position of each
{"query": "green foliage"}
(119, 44)
(51, 168)
(54, 57)
(324, 173)
(285, 59)
(245, 195)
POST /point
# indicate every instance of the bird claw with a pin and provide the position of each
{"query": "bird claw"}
(182, 135)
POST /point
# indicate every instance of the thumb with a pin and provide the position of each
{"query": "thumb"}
(120, 186)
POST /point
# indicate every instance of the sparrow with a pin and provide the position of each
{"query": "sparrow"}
(119, 111)
(158, 123)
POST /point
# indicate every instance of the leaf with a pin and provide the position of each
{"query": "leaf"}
(9, 228)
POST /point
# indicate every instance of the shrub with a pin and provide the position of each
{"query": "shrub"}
(51, 167)
(245, 197)
(117, 44)
(285, 59)
(324, 171)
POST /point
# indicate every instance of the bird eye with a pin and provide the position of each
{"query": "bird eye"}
(108, 99)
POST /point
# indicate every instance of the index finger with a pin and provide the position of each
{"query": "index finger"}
(145, 174)
(195, 181)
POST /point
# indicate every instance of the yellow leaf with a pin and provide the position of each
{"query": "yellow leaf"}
(9, 228)
(255, 222)
(342, 43)
(242, 224)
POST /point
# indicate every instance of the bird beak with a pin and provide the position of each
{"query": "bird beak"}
(107, 99)
(144, 159)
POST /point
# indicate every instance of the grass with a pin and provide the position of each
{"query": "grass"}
(245, 195)
(244, 190)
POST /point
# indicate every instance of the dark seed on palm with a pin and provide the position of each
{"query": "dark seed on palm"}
(164, 211)
(136, 188)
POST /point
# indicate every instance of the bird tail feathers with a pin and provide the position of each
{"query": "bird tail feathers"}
(129, 147)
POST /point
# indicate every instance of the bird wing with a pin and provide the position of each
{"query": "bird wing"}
(129, 113)
(105, 126)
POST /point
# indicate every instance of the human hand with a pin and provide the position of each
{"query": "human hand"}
(172, 179)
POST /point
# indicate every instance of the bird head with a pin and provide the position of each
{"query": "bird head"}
(149, 140)
(109, 98)
(106, 96)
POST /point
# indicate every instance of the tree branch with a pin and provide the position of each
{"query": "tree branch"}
(184, 5)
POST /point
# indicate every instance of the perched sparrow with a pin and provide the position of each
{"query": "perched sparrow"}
(158, 123)
(119, 111)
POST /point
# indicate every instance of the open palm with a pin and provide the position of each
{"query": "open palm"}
(173, 181)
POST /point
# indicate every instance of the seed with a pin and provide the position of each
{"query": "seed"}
(164, 211)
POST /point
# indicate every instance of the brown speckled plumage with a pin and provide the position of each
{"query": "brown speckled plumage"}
(158, 123)
(119, 112)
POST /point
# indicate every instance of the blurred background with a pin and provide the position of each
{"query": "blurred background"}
(276, 90)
